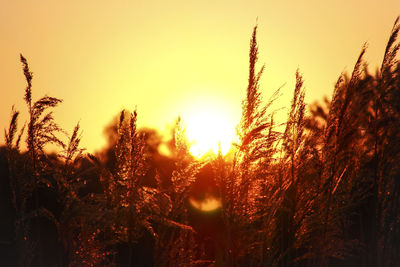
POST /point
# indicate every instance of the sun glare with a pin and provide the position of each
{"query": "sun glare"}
(209, 131)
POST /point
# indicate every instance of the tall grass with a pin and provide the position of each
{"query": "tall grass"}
(324, 192)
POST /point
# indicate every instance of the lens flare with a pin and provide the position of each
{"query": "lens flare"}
(208, 204)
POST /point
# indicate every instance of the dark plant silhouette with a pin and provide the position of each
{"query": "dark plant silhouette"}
(323, 192)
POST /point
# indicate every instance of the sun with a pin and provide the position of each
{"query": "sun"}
(208, 130)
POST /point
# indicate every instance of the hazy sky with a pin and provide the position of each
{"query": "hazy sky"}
(170, 57)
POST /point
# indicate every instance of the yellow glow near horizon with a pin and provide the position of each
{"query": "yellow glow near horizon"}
(102, 56)
(208, 130)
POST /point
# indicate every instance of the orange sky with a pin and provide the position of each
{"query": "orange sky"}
(162, 56)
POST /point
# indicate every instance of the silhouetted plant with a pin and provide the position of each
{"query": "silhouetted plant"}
(293, 203)
(324, 192)
(24, 244)
(176, 244)
(242, 183)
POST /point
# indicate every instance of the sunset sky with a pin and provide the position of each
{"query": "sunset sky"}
(172, 58)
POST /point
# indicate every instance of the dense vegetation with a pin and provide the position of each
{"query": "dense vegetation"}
(325, 191)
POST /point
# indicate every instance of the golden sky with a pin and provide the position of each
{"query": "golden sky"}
(167, 57)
